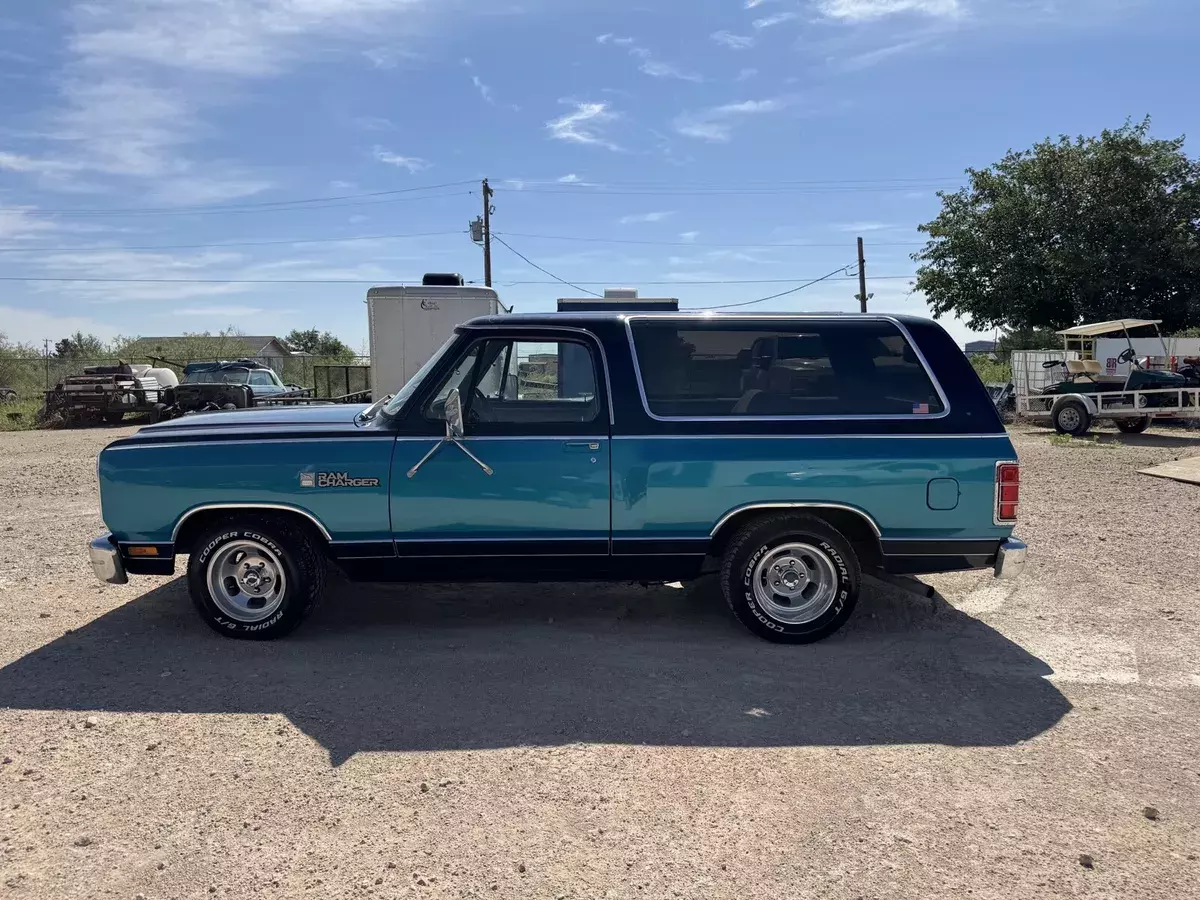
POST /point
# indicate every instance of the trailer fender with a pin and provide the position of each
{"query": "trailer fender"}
(1088, 403)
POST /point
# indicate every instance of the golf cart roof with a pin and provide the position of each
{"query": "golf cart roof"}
(1107, 327)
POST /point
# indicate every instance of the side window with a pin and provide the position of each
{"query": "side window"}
(524, 382)
(842, 368)
(261, 378)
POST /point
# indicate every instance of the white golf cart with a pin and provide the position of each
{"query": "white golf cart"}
(1074, 389)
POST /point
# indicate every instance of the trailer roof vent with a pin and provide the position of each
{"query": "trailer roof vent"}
(620, 294)
(448, 279)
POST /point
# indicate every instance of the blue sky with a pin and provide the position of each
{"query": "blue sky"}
(629, 143)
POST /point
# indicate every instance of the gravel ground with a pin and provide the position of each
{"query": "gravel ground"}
(997, 741)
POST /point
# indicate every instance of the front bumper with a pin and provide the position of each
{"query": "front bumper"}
(1010, 559)
(106, 560)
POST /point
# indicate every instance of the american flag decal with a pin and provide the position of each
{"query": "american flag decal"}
(920, 409)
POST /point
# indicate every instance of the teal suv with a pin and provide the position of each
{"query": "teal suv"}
(787, 453)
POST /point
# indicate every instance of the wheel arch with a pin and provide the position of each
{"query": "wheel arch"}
(195, 520)
(1088, 403)
(856, 525)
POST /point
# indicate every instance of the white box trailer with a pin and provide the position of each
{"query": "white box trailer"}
(407, 324)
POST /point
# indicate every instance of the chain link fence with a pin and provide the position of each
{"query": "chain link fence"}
(31, 376)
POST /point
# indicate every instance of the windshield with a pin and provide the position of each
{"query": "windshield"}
(397, 402)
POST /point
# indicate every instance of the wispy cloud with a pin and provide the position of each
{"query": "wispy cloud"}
(570, 178)
(644, 218)
(373, 123)
(236, 312)
(138, 77)
(584, 125)
(751, 4)
(649, 65)
(484, 91)
(717, 124)
(772, 21)
(690, 236)
(731, 40)
(866, 10)
(860, 227)
(746, 74)
(413, 164)
(858, 61)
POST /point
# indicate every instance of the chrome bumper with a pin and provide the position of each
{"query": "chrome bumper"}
(1010, 560)
(106, 560)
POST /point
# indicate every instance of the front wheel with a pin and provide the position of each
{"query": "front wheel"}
(1133, 426)
(255, 577)
(791, 579)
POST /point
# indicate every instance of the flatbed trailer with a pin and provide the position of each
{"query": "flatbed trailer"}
(1130, 411)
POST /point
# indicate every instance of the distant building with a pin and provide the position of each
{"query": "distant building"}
(263, 347)
(980, 346)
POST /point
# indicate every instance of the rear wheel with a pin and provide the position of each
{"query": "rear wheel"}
(1071, 417)
(1133, 426)
(114, 417)
(255, 577)
(791, 579)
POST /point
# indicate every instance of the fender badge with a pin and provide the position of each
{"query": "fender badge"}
(334, 479)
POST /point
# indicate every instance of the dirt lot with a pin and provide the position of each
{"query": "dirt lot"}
(584, 742)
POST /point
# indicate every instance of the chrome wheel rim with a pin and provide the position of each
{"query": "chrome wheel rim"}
(1069, 418)
(795, 583)
(246, 581)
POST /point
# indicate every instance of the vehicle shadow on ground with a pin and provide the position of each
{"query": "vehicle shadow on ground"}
(1184, 441)
(456, 667)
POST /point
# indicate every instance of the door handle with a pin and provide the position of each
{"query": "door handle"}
(582, 446)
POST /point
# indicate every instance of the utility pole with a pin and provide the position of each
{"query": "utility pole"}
(487, 233)
(862, 278)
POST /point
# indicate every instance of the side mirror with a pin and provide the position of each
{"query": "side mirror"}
(454, 416)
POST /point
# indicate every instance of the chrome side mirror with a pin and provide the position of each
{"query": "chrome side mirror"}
(454, 416)
(452, 411)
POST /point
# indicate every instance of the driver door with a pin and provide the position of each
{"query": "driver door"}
(536, 414)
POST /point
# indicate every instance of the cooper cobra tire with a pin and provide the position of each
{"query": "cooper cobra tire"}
(255, 577)
(791, 579)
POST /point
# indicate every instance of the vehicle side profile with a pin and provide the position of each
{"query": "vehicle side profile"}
(787, 453)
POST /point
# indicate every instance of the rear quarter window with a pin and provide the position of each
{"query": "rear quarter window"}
(804, 368)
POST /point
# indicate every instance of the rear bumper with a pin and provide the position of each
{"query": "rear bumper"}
(1010, 559)
(1005, 556)
(106, 560)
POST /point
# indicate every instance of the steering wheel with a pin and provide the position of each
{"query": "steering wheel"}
(1050, 364)
(1127, 355)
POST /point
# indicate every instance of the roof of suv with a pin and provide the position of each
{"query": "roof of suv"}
(581, 318)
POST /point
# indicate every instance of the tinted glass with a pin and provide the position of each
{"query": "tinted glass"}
(722, 369)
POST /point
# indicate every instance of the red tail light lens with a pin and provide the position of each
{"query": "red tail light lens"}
(1008, 492)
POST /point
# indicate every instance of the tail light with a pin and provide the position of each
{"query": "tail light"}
(1008, 492)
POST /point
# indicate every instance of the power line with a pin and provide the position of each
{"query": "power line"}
(235, 207)
(708, 192)
(840, 271)
(770, 182)
(347, 240)
(505, 243)
(415, 280)
(565, 237)
(204, 212)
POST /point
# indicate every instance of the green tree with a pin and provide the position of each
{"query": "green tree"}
(319, 343)
(1070, 231)
(80, 346)
(1030, 339)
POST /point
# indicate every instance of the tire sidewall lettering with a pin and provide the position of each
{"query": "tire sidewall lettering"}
(839, 602)
(267, 542)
